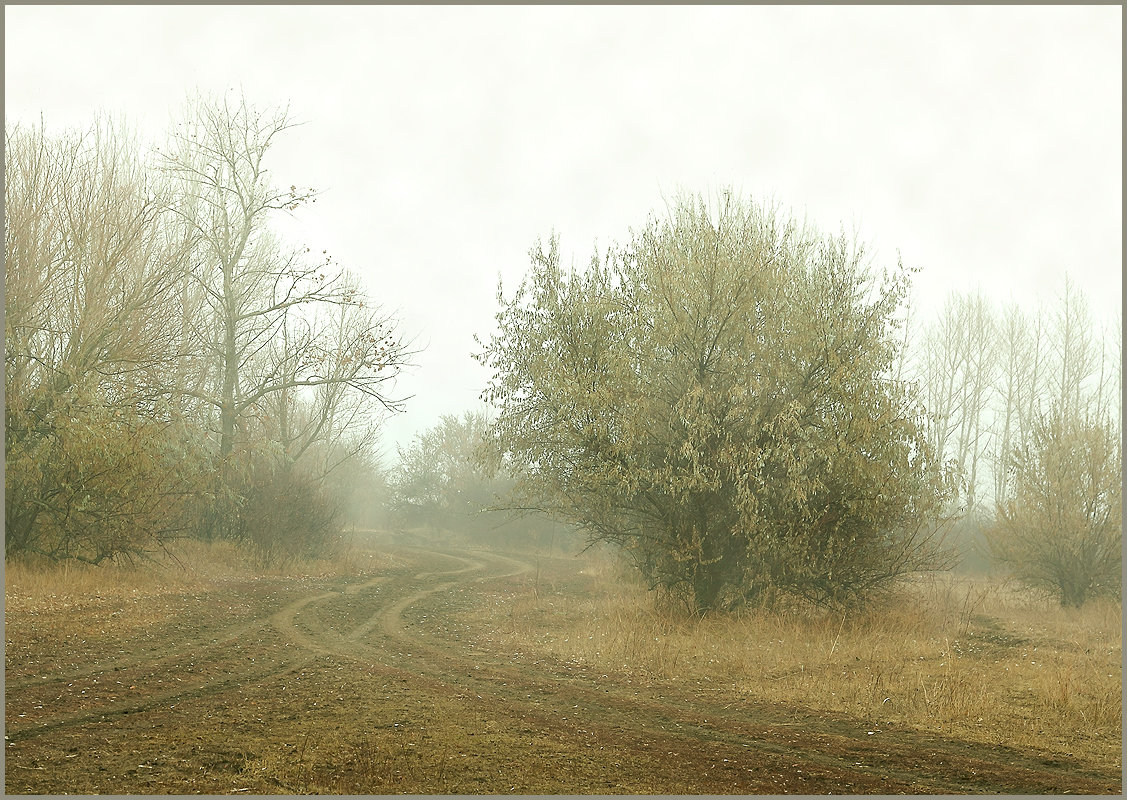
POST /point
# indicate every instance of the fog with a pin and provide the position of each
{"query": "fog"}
(743, 514)
(982, 145)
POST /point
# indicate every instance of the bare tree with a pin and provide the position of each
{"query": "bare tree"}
(1110, 384)
(254, 288)
(89, 265)
(957, 373)
(1075, 354)
(1012, 382)
(989, 386)
(328, 424)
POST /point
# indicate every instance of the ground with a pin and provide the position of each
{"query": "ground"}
(390, 680)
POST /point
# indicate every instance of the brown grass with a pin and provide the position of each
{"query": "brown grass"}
(970, 660)
(381, 763)
(975, 658)
(37, 584)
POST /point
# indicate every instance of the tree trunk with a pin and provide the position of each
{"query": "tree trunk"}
(230, 371)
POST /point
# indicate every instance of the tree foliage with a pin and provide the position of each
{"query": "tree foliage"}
(440, 479)
(97, 481)
(172, 367)
(715, 397)
(95, 461)
(1061, 526)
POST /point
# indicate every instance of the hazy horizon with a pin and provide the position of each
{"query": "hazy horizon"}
(982, 145)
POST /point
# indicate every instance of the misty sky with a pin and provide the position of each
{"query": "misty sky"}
(982, 144)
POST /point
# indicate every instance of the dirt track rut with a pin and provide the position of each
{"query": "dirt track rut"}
(339, 661)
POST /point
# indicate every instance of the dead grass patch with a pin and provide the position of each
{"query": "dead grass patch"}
(977, 658)
(38, 584)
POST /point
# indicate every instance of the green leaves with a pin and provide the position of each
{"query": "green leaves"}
(714, 396)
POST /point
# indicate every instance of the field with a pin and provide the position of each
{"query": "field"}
(424, 667)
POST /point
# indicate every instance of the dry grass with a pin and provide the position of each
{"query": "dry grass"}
(37, 584)
(970, 657)
(379, 763)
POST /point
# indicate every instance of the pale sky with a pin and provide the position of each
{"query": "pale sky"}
(982, 144)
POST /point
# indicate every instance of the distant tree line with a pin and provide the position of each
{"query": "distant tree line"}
(446, 480)
(1027, 407)
(172, 366)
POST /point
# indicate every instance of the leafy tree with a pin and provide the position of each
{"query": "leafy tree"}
(1061, 527)
(716, 397)
(100, 460)
(103, 482)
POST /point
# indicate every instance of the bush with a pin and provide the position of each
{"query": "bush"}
(1061, 528)
(92, 482)
(716, 398)
(286, 515)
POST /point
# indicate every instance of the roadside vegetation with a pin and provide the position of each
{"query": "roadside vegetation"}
(969, 656)
(173, 369)
(741, 404)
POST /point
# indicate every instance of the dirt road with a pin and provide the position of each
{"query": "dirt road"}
(370, 685)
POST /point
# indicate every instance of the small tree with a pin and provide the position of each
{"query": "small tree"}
(1061, 528)
(717, 398)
